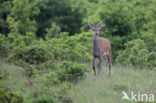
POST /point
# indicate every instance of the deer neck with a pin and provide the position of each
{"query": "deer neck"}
(96, 46)
(95, 41)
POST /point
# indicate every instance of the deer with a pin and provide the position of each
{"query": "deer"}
(101, 47)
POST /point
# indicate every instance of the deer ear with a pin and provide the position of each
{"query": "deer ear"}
(91, 24)
(101, 25)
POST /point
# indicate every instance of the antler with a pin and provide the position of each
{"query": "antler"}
(91, 24)
(101, 25)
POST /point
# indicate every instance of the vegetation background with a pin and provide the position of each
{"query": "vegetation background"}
(45, 50)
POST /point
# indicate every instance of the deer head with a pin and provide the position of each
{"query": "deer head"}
(96, 29)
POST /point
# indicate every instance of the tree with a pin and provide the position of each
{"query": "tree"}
(21, 15)
(5, 6)
(59, 12)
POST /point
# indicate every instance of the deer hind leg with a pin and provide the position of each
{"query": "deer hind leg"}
(101, 65)
(109, 62)
(94, 65)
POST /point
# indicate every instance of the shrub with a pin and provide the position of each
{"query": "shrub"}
(10, 97)
(45, 100)
(53, 31)
(4, 46)
(71, 71)
(151, 59)
(74, 48)
(33, 54)
(63, 90)
(134, 53)
(51, 79)
(137, 54)
(30, 53)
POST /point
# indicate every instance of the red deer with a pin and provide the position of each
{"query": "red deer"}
(101, 47)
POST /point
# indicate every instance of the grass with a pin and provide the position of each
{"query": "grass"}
(102, 89)
(109, 90)
(16, 80)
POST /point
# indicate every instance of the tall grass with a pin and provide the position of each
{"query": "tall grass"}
(103, 89)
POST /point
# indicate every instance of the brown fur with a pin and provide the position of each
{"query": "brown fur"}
(105, 45)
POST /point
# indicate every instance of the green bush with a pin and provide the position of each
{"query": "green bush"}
(75, 48)
(4, 46)
(10, 97)
(70, 71)
(45, 100)
(137, 54)
(151, 59)
(51, 79)
(32, 53)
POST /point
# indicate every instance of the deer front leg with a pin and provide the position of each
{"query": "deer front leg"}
(94, 65)
(109, 61)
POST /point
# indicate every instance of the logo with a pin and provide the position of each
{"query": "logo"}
(138, 96)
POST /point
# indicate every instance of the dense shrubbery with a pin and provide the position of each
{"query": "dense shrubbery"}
(10, 97)
(70, 71)
(29, 52)
(4, 46)
(33, 54)
(139, 52)
(135, 53)
(67, 71)
(45, 100)
(71, 48)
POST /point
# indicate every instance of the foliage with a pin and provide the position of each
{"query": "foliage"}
(70, 71)
(6, 97)
(137, 54)
(30, 53)
(4, 46)
(45, 100)
(142, 51)
(53, 32)
(71, 48)
(5, 6)
(59, 12)
(123, 21)
(19, 19)
(33, 54)
(134, 53)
